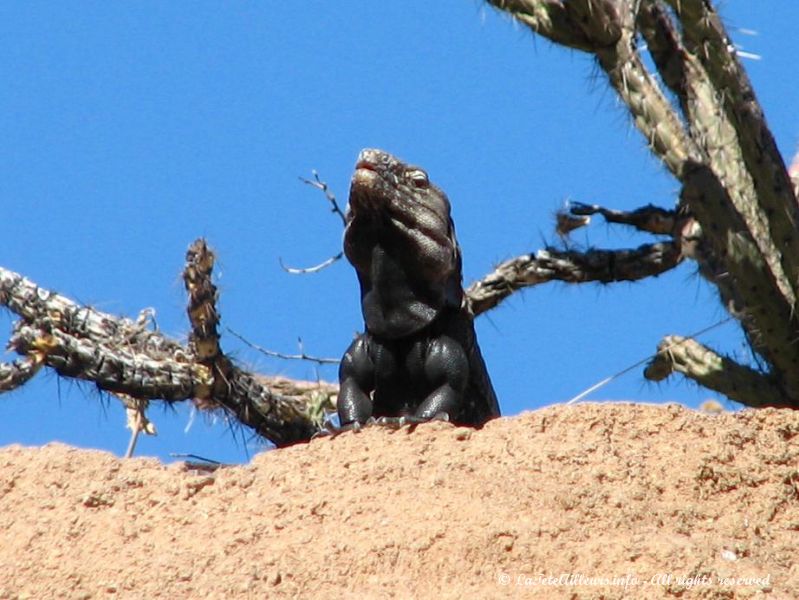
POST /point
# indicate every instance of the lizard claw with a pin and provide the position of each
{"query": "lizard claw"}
(394, 423)
(332, 430)
(413, 420)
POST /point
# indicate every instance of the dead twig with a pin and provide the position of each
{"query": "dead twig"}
(336, 209)
(331, 197)
(301, 356)
(314, 269)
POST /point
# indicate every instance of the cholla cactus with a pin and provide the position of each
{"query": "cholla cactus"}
(738, 213)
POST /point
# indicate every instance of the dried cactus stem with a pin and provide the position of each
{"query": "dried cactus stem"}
(649, 218)
(603, 266)
(281, 419)
(19, 372)
(112, 367)
(124, 357)
(204, 320)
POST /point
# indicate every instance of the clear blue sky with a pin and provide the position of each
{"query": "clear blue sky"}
(130, 129)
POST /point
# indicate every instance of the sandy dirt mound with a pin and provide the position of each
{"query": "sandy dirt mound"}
(588, 501)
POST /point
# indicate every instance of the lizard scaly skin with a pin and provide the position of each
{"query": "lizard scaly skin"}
(419, 355)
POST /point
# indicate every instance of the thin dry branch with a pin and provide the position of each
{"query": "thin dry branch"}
(331, 197)
(335, 209)
(137, 421)
(313, 269)
(301, 356)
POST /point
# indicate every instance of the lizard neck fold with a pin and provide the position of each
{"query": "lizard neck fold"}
(401, 240)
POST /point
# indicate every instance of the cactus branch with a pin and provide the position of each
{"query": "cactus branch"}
(710, 127)
(607, 29)
(550, 18)
(739, 216)
(706, 37)
(737, 267)
(649, 218)
(571, 266)
(721, 374)
(19, 372)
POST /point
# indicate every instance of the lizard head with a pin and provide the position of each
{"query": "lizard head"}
(401, 241)
(383, 185)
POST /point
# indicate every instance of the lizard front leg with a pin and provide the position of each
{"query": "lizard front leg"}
(446, 368)
(357, 380)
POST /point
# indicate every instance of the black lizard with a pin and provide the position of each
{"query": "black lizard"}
(419, 355)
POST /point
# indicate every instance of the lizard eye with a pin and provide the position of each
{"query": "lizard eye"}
(418, 178)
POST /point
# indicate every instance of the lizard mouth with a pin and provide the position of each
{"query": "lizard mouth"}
(364, 164)
(366, 175)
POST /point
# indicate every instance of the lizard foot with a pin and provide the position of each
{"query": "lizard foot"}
(331, 430)
(412, 420)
